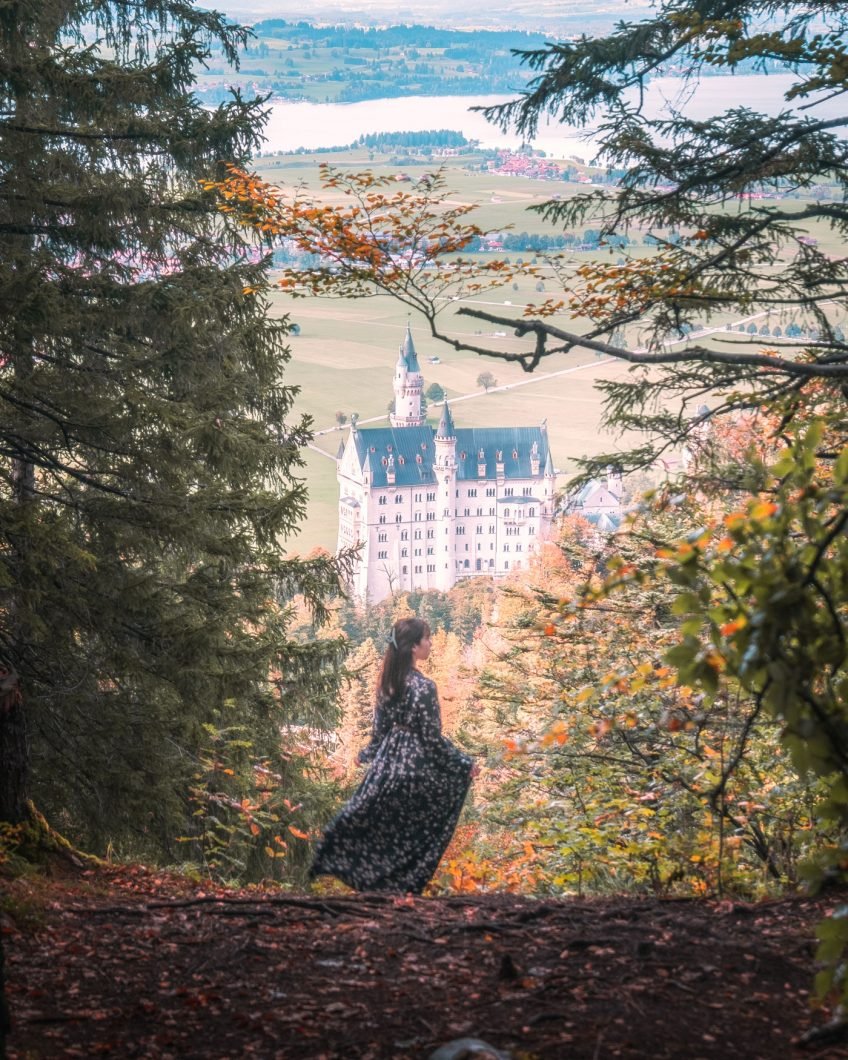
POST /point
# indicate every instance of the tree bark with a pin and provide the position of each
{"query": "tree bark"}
(14, 752)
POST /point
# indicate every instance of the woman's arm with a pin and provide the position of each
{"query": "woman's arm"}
(430, 721)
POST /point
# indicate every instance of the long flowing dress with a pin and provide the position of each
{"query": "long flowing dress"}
(393, 831)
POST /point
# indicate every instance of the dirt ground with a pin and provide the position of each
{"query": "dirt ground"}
(127, 963)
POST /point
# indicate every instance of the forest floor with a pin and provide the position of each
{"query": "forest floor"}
(126, 962)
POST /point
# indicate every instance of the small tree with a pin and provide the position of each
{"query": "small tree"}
(341, 418)
(435, 392)
(486, 380)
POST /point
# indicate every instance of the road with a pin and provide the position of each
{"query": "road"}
(534, 379)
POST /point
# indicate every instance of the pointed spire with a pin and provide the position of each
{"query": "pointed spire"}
(446, 427)
(549, 465)
(341, 450)
(407, 351)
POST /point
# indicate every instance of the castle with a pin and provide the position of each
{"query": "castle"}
(430, 507)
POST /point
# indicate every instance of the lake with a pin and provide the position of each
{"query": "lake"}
(311, 125)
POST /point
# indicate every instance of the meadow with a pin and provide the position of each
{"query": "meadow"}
(344, 353)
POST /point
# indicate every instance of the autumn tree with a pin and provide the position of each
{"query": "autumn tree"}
(149, 453)
(356, 700)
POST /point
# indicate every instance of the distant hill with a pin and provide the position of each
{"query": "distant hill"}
(548, 17)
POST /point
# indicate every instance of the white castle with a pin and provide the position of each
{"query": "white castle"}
(430, 507)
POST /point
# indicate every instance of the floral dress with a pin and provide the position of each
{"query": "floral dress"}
(392, 833)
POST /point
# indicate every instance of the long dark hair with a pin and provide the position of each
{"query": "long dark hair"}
(398, 661)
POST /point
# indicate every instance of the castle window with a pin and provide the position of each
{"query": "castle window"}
(463, 455)
(508, 491)
(479, 511)
(527, 491)
(506, 547)
(382, 537)
(382, 518)
(382, 500)
(401, 459)
(418, 459)
(519, 547)
(472, 493)
(466, 511)
(531, 512)
(431, 516)
(418, 517)
(431, 533)
(417, 535)
(467, 564)
(398, 517)
(417, 551)
(404, 552)
(479, 529)
(514, 454)
(373, 450)
(388, 448)
(506, 513)
(424, 447)
(405, 569)
(418, 569)
(384, 461)
(490, 491)
(382, 555)
(431, 551)
(431, 568)
(404, 535)
(431, 496)
(398, 499)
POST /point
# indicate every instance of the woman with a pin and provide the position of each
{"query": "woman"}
(392, 833)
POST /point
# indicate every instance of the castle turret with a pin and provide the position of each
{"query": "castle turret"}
(444, 469)
(408, 383)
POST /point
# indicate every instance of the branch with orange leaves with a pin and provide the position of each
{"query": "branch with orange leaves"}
(368, 237)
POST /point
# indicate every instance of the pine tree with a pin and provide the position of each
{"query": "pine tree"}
(148, 451)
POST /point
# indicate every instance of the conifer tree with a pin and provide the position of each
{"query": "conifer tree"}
(148, 450)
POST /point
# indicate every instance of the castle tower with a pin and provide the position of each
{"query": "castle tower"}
(408, 383)
(444, 469)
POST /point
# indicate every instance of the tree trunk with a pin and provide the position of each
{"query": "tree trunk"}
(14, 752)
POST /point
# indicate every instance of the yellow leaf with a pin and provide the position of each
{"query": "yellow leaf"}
(763, 510)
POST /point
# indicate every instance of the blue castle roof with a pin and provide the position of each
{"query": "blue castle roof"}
(414, 450)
